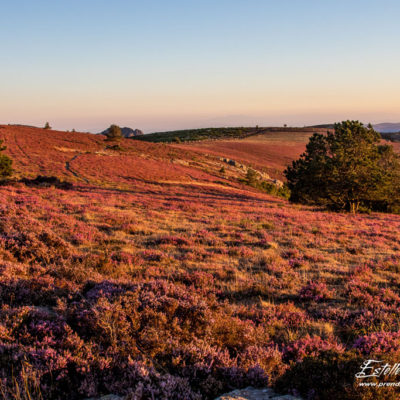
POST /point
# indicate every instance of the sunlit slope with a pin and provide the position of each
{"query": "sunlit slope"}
(90, 159)
(269, 151)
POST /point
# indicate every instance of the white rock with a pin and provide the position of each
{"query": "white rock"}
(255, 394)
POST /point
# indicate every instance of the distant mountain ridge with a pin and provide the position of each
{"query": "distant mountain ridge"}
(383, 127)
(387, 127)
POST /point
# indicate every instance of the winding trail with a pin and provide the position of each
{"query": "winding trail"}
(69, 169)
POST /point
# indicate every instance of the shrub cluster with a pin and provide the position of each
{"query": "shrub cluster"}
(253, 179)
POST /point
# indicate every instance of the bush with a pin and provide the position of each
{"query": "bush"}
(270, 188)
(5, 164)
(253, 179)
(115, 147)
(346, 170)
(314, 291)
(114, 132)
(48, 181)
(379, 342)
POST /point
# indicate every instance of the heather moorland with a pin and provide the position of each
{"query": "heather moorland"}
(152, 271)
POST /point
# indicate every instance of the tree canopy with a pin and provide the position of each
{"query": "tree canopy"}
(347, 169)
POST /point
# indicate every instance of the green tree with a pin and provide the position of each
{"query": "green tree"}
(5, 163)
(251, 177)
(114, 132)
(387, 197)
(346, 170)
(47, 126)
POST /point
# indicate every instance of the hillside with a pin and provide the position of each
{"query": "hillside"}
(157, 276)
(195, 135)
(91, 159)
(392, 137)
(268, 150)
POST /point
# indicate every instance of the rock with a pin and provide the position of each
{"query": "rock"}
(126, 132)
(129, 132)
(107, 397)
(256, 394)
(240, 394)
(265, 176)
(278, 183)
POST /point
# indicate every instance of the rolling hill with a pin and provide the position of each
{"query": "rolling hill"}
(91, 159)
(266, 149)
(195, 135)
(269, 150)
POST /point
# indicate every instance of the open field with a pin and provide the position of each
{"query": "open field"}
(156, 277)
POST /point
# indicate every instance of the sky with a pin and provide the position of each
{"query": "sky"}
(160, 65)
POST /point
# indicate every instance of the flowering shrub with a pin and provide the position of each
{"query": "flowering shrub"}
(315, 291)
(310, 347)
(379, 342)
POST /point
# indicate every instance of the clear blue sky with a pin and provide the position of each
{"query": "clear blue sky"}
(157, 65)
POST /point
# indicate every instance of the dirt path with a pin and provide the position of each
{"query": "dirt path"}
(69, 169)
